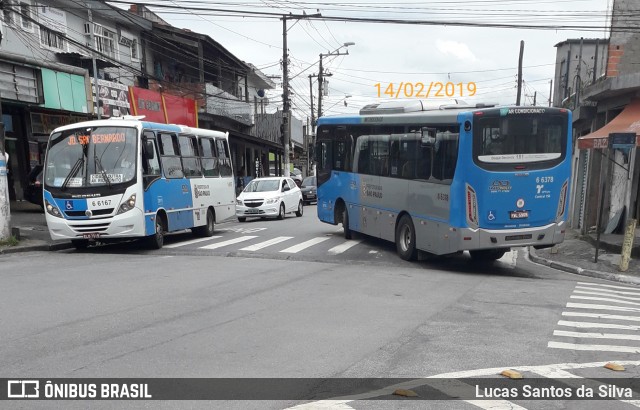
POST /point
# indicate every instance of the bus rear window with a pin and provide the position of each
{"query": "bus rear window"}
(522, 139)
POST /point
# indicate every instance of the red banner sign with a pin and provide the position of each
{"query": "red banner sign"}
(164, 108)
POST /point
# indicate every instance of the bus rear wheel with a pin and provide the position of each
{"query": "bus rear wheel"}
(345, 224)
(406, 239)
(487, 255)
(209, 228)
(156, 241)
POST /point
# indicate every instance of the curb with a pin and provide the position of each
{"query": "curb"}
(36, 248)
(615, 277)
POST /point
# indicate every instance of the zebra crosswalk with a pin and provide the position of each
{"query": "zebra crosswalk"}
(278, 244)
(585, 326)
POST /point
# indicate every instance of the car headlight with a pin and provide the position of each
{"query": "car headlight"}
(52, 210)
(273, 200)
(239, 201)
(127, 205)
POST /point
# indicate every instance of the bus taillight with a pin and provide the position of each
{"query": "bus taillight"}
(472, 207)
(562, 201)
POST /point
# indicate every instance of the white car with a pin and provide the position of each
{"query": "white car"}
(269, 197)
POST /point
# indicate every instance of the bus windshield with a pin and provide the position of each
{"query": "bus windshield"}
(519, 139)
(90, 157)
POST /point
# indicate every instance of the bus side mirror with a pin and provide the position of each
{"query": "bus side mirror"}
(428, 136)
(149, 148)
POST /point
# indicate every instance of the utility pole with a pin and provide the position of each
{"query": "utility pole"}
(5, 211)
(313, 118)
(550, 91)
(286, 124)
(93, 60)
(335, 52)
(578, 79)
(520, 72)
(535, 94)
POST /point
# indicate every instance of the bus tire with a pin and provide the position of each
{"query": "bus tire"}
(487, 255)
(406, 239)
(300, 210)
(281, 213)
(156, 241)
(345, 224)
(80, 244)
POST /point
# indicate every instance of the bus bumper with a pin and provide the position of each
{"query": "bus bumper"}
(127, 225)
(471, 239)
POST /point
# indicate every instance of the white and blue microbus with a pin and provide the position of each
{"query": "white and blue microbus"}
(125, 178)
(445, 179)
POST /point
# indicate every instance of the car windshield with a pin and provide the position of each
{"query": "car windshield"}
(309, 181)
(263, 185)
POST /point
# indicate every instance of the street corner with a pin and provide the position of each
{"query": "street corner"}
(30, 245)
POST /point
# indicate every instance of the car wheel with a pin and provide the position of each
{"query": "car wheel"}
(209, 228)
(156, 241)
(345, 223)
(281, 214)
(241, 219)
(80, 244)
(300, 209)
(406, 239)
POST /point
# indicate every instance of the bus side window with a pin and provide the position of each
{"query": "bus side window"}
(209, 160)
(223, 158)
(169, 156)
(189, 152)
(150, 161)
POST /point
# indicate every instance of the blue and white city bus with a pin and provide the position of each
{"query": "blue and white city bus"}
(124, 178)
(447, 179)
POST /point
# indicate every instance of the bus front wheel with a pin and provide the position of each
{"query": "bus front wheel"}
(406, 239)
(156, 240)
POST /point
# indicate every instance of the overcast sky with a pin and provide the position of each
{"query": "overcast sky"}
(393, 53)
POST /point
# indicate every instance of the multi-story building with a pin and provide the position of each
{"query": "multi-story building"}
(64, 61)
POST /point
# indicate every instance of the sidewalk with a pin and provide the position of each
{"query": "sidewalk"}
(575, 254)
(31, 226)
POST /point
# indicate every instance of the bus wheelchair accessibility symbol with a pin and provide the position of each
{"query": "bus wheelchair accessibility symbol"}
(68, 205)
(491, 216)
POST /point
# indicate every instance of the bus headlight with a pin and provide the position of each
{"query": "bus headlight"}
(127, 205)
(52, 210)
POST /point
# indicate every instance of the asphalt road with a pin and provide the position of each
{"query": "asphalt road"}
(256, 301)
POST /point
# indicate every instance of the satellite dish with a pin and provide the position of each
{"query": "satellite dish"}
(260, 93)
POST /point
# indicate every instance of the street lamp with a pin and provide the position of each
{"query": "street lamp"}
(341, 100)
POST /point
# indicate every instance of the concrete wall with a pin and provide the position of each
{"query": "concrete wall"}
(624, 49)
(565, 80)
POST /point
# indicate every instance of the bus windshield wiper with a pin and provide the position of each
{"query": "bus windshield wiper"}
(73, 172)
(101, 170)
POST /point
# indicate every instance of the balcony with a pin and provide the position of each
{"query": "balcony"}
(223, 104)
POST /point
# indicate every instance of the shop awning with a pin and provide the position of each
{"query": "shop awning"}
(627, 121)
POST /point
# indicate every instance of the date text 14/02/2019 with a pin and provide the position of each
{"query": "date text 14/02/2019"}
(425, 90)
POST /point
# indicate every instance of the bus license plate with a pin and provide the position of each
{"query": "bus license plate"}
(518, 214)
(91, 235)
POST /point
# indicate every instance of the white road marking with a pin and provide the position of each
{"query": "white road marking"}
(595, 335)
(602, 316)
(590, 325)
(596, 348)
(192, 241)
(343, 247)
(304, 245)
(229, 242)
(553, 369)
(608, 286)
(624, 302)
(616, 292)
(599, 293)
(602, 307)
(264, 244)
